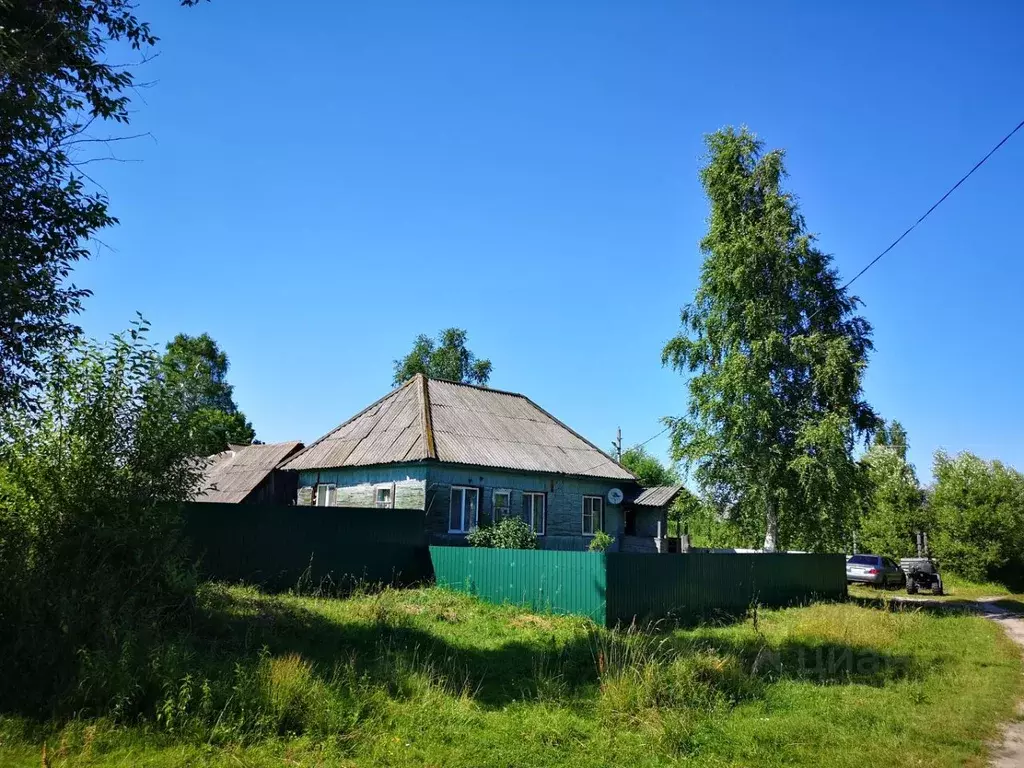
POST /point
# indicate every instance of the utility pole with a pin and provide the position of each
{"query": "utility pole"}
(618, 444)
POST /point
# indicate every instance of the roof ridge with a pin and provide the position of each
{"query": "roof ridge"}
(481, 387)
(427, 418)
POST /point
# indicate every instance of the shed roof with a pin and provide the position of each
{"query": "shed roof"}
(233, 474)
(658, 496)
(430, 419)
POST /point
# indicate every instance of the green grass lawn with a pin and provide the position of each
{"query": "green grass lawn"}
(430, 678)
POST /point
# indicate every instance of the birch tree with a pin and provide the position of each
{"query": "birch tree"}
(774, 351)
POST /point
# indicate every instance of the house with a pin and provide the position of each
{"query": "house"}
(250, 474)
(466, 455)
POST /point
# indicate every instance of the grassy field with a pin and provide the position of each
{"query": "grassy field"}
(430, 677)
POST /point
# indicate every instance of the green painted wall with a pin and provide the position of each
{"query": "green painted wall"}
(356, 486)
(564, 502)
(428, 487)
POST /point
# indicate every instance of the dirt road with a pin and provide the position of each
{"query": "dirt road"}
(1008, 750)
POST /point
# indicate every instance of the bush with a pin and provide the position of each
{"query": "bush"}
(601, 542)
(93, 566)
(510, 533)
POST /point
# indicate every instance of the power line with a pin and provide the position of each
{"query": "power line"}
(939, 202)
(633, 448)
(645, 442)
(875, 260)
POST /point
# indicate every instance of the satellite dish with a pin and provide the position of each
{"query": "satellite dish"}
(614, 496)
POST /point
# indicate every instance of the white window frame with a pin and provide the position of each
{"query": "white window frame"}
(494, 503)
(329, 490)
(462, 511)
(530, 512)
(596, 515)
(390, 488)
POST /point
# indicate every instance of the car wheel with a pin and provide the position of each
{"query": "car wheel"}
(911, 589)
(937, 589)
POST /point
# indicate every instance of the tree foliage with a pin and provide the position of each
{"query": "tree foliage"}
(443, 358)
(776, 353)
(57, 85)
(197, 368)
(895, 509)
(90, 558)
(647, 468)
(978, 507)
(707, 526)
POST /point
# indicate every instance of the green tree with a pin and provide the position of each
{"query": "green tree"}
(895, 508)
(197, 368)
(90, 556)
(776, 354)
(648, 470)
(708, 526)
(57, 87)
(979, 515)
(444, 358)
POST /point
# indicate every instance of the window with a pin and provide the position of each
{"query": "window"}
(462, 513)
(501, 503)
(324, 494)
(382, 499)
(863, 560)
(593, 515)
(533, 511)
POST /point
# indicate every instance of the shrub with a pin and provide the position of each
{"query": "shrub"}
(601, 542)
(509, 533)
(92, 562)
(483, 536)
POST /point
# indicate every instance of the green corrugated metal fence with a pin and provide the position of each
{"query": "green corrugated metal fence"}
(560, 582)
(695, 585)
(620, 588)
(275, 546)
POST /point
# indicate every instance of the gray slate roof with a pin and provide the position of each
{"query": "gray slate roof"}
(233, 474)
(658, 496)
(430, 419)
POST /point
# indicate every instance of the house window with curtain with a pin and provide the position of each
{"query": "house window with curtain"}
(593, 515)
(324, 494)
(383, 498)
(463, 510)
(501, 503)
(533, 511)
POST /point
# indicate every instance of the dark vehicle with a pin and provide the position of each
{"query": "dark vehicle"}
(874, 569)
(922, 573)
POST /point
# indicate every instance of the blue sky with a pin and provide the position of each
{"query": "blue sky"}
(326, 181)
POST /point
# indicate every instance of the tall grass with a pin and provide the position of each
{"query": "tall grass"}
(428, 676)
(94, 571)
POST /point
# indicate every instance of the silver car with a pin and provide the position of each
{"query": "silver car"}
(874, 569)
